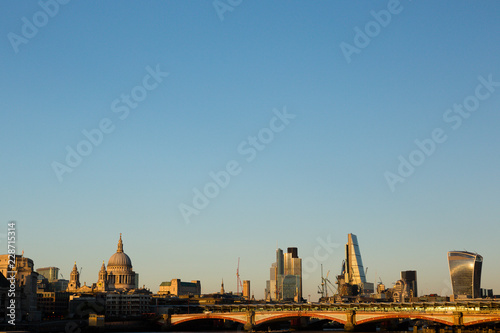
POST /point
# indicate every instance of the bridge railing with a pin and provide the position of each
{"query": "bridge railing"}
(421, 307)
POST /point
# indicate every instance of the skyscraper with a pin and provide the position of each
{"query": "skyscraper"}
(410, 280)
(354, 264)
(465, 273)
(292, 282)
(352, 280)
(285, 277)
(246, 289)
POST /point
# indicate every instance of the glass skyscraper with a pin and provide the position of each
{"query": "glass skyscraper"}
(285, 282)
(465, 273)
(354, 269)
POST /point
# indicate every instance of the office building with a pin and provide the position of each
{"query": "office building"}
(465, 273)
(176, 287)
(246, 289)
(127, 304)
(50, 273)
(285, 282)
(410, 280)
(352, 280)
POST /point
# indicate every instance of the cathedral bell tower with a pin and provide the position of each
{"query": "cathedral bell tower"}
(102, 283)
(74, 280)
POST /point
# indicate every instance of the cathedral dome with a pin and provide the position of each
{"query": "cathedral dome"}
(120, 259)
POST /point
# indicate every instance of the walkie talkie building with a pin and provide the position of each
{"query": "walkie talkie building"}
(465, 273)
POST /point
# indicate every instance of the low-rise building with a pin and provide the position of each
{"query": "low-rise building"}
(176, 287)
(53, 304)
(127, 304)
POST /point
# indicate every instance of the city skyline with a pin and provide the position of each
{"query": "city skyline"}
(352, 247)
(206, 135)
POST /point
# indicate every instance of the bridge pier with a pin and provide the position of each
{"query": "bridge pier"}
(458, 318)
(350, 321)
(167, 322)
(250, 324)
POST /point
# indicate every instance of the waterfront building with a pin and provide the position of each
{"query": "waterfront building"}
(26, 286)
(127, 304)
(176, 287)
(465, 273)
(53, 304)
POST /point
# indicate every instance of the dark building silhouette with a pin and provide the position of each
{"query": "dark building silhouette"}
(410, 279)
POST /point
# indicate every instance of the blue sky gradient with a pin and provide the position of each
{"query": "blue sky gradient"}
(322, 176)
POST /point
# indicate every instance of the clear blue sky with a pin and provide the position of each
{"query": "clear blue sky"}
(323, 175)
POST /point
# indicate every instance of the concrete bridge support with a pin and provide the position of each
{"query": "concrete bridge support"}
(350, 321)
(167, 322)
(458, 319)
(250, 324)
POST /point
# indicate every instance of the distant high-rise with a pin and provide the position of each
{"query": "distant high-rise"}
(285, 277)
(410, 280)
(246, 289)
(354, 263)
(465, 273)
(292, 283)
(352, 280)
(50, 273)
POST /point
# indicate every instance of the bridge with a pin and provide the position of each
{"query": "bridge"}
(454, 314)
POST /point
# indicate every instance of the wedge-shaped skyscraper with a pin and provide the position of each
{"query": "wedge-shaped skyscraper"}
(465, 273)
(354, 264)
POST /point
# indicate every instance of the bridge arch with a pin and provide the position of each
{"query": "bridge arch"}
(295, 315)
(481, 321)
(209, 317)
(403, 316)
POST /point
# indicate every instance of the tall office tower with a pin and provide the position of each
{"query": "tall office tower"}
(352, 280)
(354, 264)
(292, 282)
(410, 280)
(285, 281)
(279, 262)
(465, 273)
(246, 289)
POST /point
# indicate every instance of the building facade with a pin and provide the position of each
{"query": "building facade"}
(50, 273)
(246, 289)
(127, 304)
(352, 280)
(465, 273)
(176, 287)
(285, 283)
(410, 280)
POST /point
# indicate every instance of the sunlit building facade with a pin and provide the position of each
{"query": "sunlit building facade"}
(285, 282)
(465, 273)
(352, 280)
(354, 264)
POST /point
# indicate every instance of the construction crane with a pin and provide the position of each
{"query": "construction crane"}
(321, 287)
(238, 280)
(325, 285)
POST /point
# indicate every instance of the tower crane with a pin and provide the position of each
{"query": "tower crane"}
(238, 280)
